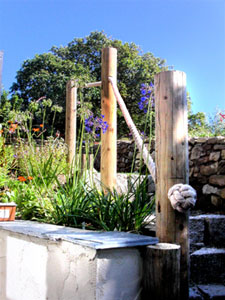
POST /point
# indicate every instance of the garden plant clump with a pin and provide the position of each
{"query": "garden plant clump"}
(35, 174)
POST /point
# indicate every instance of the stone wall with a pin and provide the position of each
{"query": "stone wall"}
(207, 168)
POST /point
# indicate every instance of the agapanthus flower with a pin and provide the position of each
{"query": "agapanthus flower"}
(147, 95)
(95, 124)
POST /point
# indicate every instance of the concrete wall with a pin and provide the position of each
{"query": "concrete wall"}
(40, 261)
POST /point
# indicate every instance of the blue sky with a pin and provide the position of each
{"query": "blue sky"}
(189, 34)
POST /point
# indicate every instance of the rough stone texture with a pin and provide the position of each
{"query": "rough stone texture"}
(219, 147)
(221, 193)
(212, 291)
(207, 230)
(197, 152)
(221, 167)
(196, 229)
(207, 166)
(217, 180)
(209, 189)
(217, 201)
(223, 154)
(194, 294)
(215, 230)
(208, 265)
(209, 170)
(214, 156)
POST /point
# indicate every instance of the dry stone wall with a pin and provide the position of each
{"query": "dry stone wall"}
(206, 168)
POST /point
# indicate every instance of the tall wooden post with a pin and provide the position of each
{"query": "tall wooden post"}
(71, 119)
(108, 106)
(172, 163)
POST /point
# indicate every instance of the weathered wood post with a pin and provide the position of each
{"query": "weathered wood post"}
(71, 119)
(108, 106)
(172, 164)
(161, 279)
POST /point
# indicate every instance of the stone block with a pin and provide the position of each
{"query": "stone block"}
(194, 294)
(209, 189)
(196, 229)
(221, 167)
(223, 154)
(219, 147)
(212, 291)
(197, 152)
(214, 156)
(201, 140)
(215, 230)
(209, 170)
(192, 141)
(207, 265)
(203, 160)
(216, 201)
(212, 140)
(221, 193)
(217, 180)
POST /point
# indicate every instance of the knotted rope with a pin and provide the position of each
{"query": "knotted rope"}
(181, 196)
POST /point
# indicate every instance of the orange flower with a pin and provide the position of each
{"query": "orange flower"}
(29, 178)
(21, 178)
(14, 126)
(10, 122)
(1, 131)
(36, 129)
(11, 130)
(41, 125)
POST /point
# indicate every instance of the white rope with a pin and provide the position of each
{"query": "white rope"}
(182, 197)
(138, 140)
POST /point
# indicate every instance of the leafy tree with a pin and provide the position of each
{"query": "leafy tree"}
(200, 125)
(46, 74)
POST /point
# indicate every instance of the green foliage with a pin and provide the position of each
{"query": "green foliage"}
(200, 125)
(46, 74)
(123, 212)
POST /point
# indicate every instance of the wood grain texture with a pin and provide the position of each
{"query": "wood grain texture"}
(172, 163)
(161, 278)
(71, 119)
(108, 106)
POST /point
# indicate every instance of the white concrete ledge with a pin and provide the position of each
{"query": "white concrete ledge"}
(42, 261)
(93, 239)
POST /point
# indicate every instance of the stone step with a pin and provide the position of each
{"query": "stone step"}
(207, 230)
(209, 291)
(207, 265)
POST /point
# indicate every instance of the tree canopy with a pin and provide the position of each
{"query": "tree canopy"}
(46, 74)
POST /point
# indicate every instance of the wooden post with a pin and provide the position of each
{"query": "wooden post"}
(71, 119)
(172, 163)
(161, 280)
(108, 106)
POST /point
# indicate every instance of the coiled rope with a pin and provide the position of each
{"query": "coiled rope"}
(181, 196)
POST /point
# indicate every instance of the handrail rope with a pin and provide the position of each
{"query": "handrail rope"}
(138, 140)
(181, 196)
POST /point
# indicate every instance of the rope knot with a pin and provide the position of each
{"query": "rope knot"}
(182, 197)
